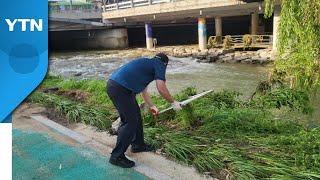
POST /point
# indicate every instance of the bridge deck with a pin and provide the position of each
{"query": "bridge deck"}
(175, 10)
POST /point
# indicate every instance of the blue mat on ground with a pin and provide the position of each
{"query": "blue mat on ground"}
(38, 156)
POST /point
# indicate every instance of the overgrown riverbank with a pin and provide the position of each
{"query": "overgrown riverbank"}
(221, 134)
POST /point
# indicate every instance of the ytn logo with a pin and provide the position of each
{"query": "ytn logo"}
(31, 23)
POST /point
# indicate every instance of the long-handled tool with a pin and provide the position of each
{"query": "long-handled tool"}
(116, 124)
(192, 98)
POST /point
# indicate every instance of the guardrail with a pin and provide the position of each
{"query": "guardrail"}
(74, 8)
(125, 4)
(242, 40)
(256, 39)
(133, 3)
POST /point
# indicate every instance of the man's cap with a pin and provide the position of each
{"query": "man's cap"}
(163, 57)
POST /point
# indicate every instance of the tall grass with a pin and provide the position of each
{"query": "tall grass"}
(221, 134)
(96, 88)
(73, 111)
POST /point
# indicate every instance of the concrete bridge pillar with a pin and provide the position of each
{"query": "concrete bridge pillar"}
(202, 33)
(218, 26)
(149, 39)
(254, 23)
(276, 22)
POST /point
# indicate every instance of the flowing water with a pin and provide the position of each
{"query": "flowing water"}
(181, 72)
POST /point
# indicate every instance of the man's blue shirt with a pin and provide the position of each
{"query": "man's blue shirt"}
(138, 73)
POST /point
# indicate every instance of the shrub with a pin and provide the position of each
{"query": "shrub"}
(227, 42)
(225, 99)
(284, 96)
(247, 41)
(213, 41)
(74, 112)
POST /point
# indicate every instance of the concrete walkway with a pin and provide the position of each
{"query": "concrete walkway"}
(152, 165)
(39, 156)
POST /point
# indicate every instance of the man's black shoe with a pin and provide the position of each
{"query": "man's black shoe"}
(123, 162)
(143, 148)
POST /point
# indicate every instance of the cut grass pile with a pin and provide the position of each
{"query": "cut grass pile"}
(220, 134)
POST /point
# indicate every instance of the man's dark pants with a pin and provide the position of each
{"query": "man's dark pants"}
(131, 129)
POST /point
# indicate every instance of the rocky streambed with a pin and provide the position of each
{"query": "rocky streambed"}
(219, 55)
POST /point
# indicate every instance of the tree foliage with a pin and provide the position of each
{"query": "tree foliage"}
(298, 42)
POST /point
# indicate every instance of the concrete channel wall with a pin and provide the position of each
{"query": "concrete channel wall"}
(110, 39)
(89, 39)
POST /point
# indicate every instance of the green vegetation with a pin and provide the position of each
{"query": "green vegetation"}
(79, 101)
(227, 42)
(234, 138)
(73, 111)
(214, 41)
(299, 40)
(247, 41)
(294, 99)
(221, 134)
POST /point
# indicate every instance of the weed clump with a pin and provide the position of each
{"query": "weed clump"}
(284, 96)
(246, 121)
(186, 117)
(186, 93)
(225, 99)
(233, 141)
(247, 40)
(304, 147)
(73, 111)
(227, 42)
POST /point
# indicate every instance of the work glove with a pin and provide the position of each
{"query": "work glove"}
(154, 110)
(176, 106)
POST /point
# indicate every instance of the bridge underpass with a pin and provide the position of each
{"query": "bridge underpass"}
(153, 13)
(187, 33)
(81, 36)
(168, 26)
(72, 34)
(80, 27)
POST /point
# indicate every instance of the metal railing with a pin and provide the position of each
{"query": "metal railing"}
(74, 8)
(133, 3)
(256, 39)
(125, 4)
(238, 40)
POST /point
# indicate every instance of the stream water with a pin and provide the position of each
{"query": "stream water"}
(181, 72)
